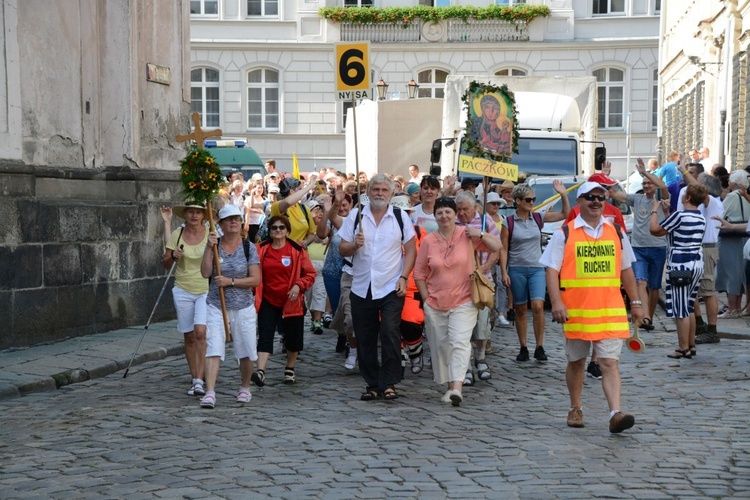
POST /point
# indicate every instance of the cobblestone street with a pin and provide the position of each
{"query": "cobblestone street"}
(142, 437)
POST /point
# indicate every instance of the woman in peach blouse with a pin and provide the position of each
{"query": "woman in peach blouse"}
(442, 274)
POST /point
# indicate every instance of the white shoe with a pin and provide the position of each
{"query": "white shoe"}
(501, 319)
(447, 397)
(351, 362)
(455, 397)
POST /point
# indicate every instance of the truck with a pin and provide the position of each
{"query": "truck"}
(556, 121)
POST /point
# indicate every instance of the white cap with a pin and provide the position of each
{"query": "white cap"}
(493, 197)
(311, 204)
(229, 211)
(587, 187)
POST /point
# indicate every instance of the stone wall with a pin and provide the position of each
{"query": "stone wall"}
(80, 250)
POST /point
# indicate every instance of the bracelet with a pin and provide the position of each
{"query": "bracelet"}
(636, 302)
(481, 235)
(653, 212)
(403, 278)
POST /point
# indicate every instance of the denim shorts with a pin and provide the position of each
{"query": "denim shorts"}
(649, 265)
(527, 283)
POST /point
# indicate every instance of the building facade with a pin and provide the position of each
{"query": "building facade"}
(704, 77)
(264, 69)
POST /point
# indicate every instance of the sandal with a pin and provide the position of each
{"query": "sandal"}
(469, 378)
(289, 375)
(259, 378)
(370, 395)
(208, 401)
(244, 395)
(693, 351)
(390, 394)
(677, 354)
(483, 371)
(647, 324)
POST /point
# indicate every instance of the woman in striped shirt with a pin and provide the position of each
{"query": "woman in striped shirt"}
(684, 230)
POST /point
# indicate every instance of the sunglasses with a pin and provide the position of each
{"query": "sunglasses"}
(594, 197)
(529, 200)
(277, 228)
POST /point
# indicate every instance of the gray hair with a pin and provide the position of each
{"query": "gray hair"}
(739, 177)
(380, 179)
(466, 197)
(713, 185)
(522, 191)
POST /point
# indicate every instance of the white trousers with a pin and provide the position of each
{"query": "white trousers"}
(449, 335)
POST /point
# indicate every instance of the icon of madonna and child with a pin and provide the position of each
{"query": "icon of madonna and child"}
(491, 122)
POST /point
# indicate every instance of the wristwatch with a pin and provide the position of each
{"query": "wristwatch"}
(233, 284)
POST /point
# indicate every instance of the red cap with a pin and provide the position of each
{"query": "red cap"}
(602, 179)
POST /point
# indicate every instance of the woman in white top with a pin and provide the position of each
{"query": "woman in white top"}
(255, 205)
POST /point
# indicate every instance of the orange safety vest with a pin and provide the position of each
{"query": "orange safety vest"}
(590, 285)
(412, 310)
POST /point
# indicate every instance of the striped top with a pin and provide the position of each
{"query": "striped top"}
(685, 236)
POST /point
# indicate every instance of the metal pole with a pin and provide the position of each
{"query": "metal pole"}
(627, 147)
(356, 162)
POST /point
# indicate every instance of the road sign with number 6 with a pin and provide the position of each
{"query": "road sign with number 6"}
(353, 68)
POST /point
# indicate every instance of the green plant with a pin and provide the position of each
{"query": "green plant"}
(200, 176)
(406, 15)
(470, 145)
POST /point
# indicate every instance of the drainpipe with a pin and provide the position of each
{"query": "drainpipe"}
(722, 135)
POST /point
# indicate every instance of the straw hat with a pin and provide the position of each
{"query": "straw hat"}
(507, 186)
(401, 202)
(179, 210)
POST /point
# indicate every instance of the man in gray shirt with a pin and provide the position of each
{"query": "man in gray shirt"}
(650, 251)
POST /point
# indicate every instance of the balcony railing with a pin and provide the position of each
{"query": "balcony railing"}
(451, 30)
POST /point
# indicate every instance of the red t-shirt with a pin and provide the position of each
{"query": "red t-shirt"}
(277, 271)
(610, 211)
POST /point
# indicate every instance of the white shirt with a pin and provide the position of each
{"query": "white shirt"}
(380, 262)
(424, 220)
(715, 207)
(707, 163)
(553, 254)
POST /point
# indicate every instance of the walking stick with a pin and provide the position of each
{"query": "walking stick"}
(158, 299)
(217, 265)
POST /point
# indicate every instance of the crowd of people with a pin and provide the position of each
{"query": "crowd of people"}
(387, 263)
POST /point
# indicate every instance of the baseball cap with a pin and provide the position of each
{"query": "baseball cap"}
(587, 187)
(493, 197)
(602, 179)
(273, 188)
(466, 182)
(287, 185)
(229, 211)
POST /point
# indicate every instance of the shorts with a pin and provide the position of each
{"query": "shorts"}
(707, 286)
(191, 309)
(576, 349)
(649, 265)
(241, 325)
(527, 283)
(482, 328)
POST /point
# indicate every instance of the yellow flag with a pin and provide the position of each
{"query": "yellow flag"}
(295, 166)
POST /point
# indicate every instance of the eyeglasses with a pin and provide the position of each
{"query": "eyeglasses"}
(233, 218)
(529, 200)
(594, 197)
(277, 228)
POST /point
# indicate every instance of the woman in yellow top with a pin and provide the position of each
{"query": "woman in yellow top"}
(185, 248)
(291, 194)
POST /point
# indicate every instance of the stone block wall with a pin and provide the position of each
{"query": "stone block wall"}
(80, 250)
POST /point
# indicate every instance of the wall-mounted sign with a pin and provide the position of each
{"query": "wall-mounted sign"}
(158, 74)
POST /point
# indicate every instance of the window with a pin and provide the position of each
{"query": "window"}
(204, 7)
(510, 2)
(611, 94)
(357, 3)
(609, 6)
(510, 72)
(262, 7)
(654, 98)
(204, 95)
(432, 82)
(657, 6)
(263, 99)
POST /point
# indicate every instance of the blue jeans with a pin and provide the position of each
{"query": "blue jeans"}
(527, 283)
(649, 265)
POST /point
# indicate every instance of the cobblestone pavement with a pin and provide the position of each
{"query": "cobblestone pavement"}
(142, 437)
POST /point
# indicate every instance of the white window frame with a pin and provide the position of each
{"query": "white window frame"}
(510, 3)
(263, 10)
(203, 85)
(431, 85)
(359, 3)
(654, 10)
(203, 8)
(512, 71)
(608, 85)
(653, 116)
(609, 12)
(264, 86)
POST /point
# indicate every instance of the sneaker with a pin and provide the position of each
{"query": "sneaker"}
(594, 370)
(620, 422)
(523, 355)
(317, 328)
(730, 315)
(539, 354)
(417, 364)
(469, 378)
(341, 344)
(208, 401)
(447, 396)
(244, 395)
(707, 338)
(327, 320)
(456, 397)
(501, 319)
(575, 417)
(198, 389)
(351, 360)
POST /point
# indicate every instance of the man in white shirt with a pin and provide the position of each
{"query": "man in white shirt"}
(414, 173)
(382, 251)
(706, 159)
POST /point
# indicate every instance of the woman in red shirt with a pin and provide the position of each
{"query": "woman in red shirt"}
(286, 272)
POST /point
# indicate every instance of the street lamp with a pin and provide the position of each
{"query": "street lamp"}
(382, 88)
(412, 87)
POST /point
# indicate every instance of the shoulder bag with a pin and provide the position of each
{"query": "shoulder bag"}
(482, 289)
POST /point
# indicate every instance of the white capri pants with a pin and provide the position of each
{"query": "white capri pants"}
(242, 324)
(316, 294)
(449, 336)
(191, 309)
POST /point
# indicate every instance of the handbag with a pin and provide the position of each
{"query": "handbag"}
(680, 277)
(482, 288)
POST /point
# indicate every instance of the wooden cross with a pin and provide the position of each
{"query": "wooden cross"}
(198, 134)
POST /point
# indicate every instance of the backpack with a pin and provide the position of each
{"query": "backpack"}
(511, 223)
(566, 232)
(399, 219)
(263, 233)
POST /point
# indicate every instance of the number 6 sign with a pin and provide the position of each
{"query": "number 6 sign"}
(353, 71)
